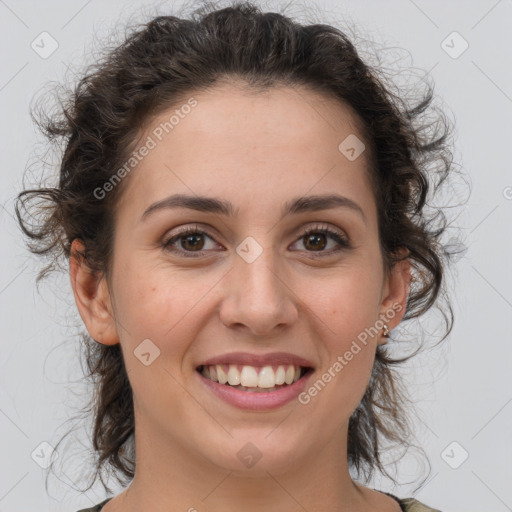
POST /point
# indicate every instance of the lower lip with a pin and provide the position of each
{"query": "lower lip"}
(257, 401)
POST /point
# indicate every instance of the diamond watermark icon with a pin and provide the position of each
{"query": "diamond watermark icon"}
(42, 454)
(44, 45)
(454, 455)
(146, 352)
(249, 455)
(249, 249)
(351, 147)
(454, 45)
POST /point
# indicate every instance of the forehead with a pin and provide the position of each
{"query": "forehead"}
(255, 145)
(228, 115)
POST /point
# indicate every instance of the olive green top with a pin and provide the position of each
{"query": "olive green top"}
(406, 504)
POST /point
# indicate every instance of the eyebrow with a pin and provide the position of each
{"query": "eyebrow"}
(221, 207)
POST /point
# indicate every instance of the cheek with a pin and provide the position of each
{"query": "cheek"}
(156, 323)
(348, 303)
(348, 313)
(348, 307)
(159, 305)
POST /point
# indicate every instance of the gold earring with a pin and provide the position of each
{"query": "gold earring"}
(386, 332)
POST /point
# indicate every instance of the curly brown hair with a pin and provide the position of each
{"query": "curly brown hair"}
(160, 63)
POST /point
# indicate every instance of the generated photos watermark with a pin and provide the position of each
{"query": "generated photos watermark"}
(343, 360)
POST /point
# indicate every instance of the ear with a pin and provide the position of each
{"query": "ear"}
(92, 297)
(395, 293)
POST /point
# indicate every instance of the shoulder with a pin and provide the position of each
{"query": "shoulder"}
(96, 508)
(412, 505)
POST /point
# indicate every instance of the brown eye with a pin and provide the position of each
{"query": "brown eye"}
(191, 240)
(316, 239)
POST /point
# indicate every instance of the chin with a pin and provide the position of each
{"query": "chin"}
(256, 456)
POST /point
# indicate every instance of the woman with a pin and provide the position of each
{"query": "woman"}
(243, 206)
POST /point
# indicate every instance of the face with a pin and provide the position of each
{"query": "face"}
(250, 280)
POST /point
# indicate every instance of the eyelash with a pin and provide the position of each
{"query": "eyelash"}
(335, 235)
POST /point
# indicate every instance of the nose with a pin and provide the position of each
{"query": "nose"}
(258, 296)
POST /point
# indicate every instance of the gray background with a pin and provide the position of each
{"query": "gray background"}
(463, 389)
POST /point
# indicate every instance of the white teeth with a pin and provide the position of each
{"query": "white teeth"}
(233, 375)
(290, 372)
(280, 375)
(266, 377)
(253, 377)
(222, 376)
(249, 377)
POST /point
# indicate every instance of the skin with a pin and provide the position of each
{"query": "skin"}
(257, 150)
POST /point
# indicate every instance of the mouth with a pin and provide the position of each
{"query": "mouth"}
(255, 379)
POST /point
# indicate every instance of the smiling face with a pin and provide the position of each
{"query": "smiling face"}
(249, 279)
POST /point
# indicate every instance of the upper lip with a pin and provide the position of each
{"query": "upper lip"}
(271, 359)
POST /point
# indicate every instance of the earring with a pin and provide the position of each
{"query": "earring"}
(386, 332)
